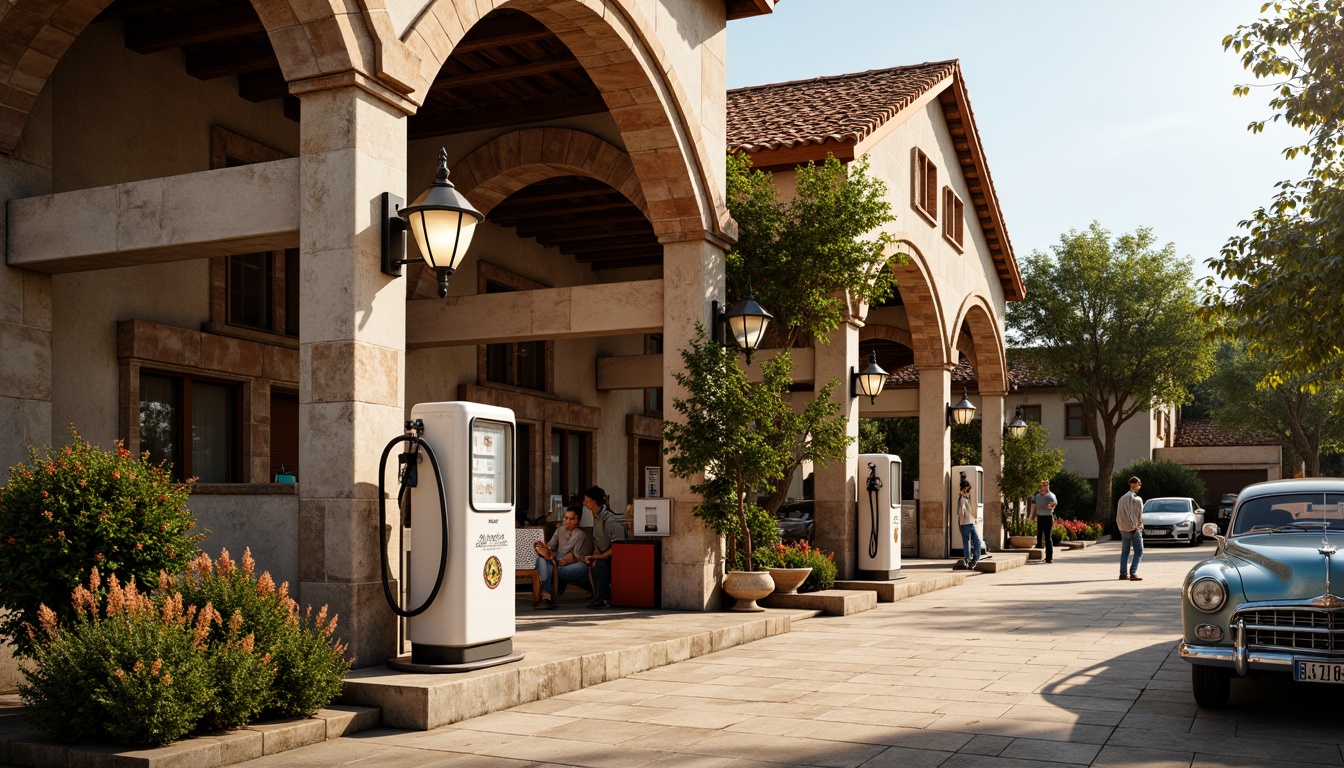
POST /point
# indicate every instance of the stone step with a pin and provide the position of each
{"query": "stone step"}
(832, 602)
(891, 591)
(1002, 561)
(22, 746)
(1079, 544)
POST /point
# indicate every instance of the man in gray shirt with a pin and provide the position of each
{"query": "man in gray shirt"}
(1129, 519)
(564, 553)
(606, 529)
(1045, 502)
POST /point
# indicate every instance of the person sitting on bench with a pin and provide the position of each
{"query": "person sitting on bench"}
(565, 552)
(606, 529)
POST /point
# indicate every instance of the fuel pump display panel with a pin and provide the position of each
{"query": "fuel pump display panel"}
(491, 475)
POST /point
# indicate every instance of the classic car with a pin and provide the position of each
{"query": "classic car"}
(1174, 518)
(1265, 602)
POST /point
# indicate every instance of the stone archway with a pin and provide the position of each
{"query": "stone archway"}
(618, 49)
(508, 163)
(928, 334)
(987, 344)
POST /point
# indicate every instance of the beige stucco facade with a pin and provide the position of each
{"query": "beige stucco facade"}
(122, 207)
(1140, 438)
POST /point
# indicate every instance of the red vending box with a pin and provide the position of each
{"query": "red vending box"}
(636, 574)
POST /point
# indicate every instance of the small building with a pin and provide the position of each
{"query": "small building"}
(1226, 462)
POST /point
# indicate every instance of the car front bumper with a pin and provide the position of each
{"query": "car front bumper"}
(1240, 659)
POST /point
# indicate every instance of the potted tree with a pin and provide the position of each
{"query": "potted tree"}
(730, 442)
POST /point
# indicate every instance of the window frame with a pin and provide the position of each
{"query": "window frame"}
(954, 219)
(924, 186)
(182, 383)
(1074, 412)
(1031, 414)
(586, 473)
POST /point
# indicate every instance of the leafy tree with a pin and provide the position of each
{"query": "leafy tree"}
(745, 437)
(1283, 300)
(1026, 462)
(1305, 413)
(1160, 478)
(1077, 496)
(804, 255)
(1117, 321)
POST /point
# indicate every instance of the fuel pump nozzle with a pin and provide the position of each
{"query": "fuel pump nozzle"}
(408, 473)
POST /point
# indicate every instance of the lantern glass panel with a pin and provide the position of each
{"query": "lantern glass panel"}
(442, 236)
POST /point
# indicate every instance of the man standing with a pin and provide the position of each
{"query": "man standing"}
(606, 529)
(1045, 502)
(1129, 519)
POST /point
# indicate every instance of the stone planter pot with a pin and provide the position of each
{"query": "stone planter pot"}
(1022, 542)
(787, 580)
(746, 587)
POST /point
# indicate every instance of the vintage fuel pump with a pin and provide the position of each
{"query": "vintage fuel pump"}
(880, 517)
(975, 475)
(460, 569)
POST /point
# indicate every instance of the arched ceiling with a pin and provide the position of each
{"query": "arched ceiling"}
(584, 218)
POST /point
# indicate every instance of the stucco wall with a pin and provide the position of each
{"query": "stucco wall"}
(1136, 439)
(1266, 457)
(266, 523)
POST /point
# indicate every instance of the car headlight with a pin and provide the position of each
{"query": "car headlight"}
(1184, 524)
(1207, 594)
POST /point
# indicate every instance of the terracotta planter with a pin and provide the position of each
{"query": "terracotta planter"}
(1022, 542)
(746, 587)
(787, 580)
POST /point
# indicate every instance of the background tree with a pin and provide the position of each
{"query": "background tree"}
(1160, 478)
(742, 435)
(1117, 321)
(803, 257)
(1305, 413)
(1026, 462)
(1283, 298)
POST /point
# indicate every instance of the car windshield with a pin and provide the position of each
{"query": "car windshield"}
(1167, 505)
(1290, 512)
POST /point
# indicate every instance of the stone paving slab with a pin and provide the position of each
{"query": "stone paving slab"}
(891, 591)
(832, 602)
(565, 650)
(23, 745)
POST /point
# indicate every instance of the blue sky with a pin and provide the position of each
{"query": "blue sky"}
(1118, 110)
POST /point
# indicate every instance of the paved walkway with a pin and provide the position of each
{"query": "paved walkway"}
(1048, 665)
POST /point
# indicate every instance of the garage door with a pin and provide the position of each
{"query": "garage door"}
(1221, 481)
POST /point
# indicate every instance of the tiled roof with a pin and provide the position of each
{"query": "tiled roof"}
(837, 108)
(1204, 432)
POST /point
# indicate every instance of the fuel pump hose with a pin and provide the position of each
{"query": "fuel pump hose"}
(408, 479)
(874, 485)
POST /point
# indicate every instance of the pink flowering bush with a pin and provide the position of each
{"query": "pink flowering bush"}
(68, 510)
(1076, 530)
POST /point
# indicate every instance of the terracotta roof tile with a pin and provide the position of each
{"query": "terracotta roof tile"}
(1022, 373)
(837, 108)
(1204, 432)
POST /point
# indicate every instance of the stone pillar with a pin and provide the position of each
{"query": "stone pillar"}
(351, 355)
(834, 488)
(25, 309)
(935, 459)
(693, 554)
(991, 458)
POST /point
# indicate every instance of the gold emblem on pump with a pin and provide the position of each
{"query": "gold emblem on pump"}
(494, 572)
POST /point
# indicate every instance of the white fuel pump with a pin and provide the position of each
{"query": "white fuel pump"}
(459, 577)
(975, 475)
(880, 517)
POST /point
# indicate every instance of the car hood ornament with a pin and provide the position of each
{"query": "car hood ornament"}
(1327, 600)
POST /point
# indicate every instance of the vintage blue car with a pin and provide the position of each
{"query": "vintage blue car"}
(1265, 602)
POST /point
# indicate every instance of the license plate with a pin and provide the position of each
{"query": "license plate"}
(1318, 671)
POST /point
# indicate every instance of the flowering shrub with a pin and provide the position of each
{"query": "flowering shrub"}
(127, 667)
(800, 554)
(308, 665)
(1077, 530)
(68, 510)
(147, 669)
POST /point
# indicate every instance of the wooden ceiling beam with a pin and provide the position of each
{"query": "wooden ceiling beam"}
(593, 245)
(573, 225)
(567, 194)
(496, 74)
(490, 42)
(593, 231)
(263, 86)
(126, 9)
(425, 125)
(504, 212)
(222, 62)
(218, 24)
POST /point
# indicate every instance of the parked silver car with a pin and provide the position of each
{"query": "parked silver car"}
(1173, 518)
(1264, 603)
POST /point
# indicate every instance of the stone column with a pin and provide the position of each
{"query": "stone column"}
(991, 458)
(25, 308)
(693, 554)
(834, 487)
(935, 462)
(351, 355)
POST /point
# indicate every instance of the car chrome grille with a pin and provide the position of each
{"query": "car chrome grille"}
(1295, 629)
(1157, 530)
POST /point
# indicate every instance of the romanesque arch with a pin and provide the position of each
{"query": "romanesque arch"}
(886, 333)
(991, 363)
(928, 335)
(617, 47)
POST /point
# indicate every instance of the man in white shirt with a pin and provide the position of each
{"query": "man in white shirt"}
(1129, 519)
(1045, 503)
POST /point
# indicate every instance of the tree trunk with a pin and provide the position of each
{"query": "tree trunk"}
(746, 529)
(1105, 469)
(781, 492)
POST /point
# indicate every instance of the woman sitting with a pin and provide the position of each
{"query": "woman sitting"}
(564, 552)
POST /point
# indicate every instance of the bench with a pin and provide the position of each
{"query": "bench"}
(524, 551)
